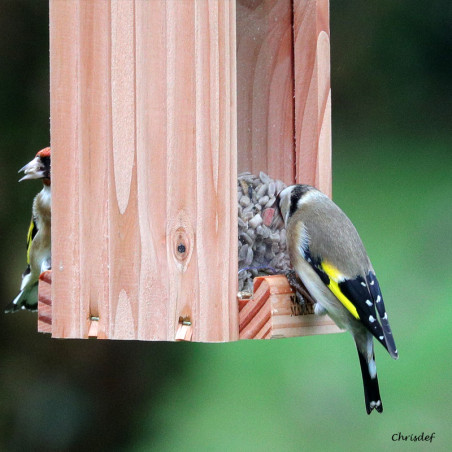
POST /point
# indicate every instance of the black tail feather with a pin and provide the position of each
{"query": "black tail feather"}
(371, 389)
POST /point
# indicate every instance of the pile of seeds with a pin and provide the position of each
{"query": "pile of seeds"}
(262, 248)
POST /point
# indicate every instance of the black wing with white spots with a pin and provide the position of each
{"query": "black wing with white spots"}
(375, 291)
(362, 298)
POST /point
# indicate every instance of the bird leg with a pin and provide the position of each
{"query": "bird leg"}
(302, 298)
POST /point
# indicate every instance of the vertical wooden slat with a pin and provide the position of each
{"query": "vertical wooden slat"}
(230, 154)
(265, 88)
(94, 131)
(64, 125)
(201, 156)
(152, 176)
(124, 254)
(181, 160)
(231, 149)
(215, 170)
(312, 93)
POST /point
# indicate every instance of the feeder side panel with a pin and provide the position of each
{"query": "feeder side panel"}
(265, 88)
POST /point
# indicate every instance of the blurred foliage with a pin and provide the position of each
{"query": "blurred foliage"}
(391, 77)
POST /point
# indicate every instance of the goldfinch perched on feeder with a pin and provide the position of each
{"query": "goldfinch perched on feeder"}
(329, 257)
(38, 238)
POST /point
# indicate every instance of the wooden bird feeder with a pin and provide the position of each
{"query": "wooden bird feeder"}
(156, 106)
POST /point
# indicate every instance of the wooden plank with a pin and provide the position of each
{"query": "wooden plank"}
(181, 149)
(124, 245)
(152, 178)
(216, 222)
(200, 214)
(94, 145)
(64, 130)
(265, 88)
(312, 93)
(271, 313)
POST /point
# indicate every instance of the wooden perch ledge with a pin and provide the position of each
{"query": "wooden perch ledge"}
(269, 314)
(45, 302)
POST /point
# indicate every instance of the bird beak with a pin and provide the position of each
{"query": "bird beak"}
(33, 170)
(277, 221)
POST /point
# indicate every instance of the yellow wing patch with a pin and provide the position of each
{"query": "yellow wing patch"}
(335, 275)
(30, 239)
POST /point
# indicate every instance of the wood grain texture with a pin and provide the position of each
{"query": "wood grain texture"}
(151, 104)
(94, 143)
(270, 314)
(312, 93)
(143, 123)
(124, 240)
(265, 88)
(64, 131)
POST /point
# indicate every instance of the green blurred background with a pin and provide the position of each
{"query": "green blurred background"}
(391, 80)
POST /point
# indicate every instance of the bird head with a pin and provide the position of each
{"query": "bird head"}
(39, 167)
(287, 201)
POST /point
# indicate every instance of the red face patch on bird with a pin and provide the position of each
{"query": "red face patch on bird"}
(44, 153)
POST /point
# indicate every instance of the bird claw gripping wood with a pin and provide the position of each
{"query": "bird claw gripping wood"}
(302, 300)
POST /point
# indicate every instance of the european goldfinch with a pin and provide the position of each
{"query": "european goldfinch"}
(329, 257)
(38, 238)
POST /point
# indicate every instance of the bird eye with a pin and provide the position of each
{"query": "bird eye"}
(277, 202)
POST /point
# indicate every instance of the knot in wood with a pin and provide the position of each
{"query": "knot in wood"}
(182, 244)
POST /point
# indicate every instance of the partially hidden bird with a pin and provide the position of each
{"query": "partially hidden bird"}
(39, 234)
(329, 257)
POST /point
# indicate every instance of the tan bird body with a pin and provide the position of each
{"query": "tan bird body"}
(329, 257)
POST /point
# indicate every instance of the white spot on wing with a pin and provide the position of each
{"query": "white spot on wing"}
(371, 319)
(372, 282)
(385, 317)
(381, 338)
(378, 299)
(363, 284)
(369, 303)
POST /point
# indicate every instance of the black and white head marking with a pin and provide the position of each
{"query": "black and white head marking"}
(288, 200)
